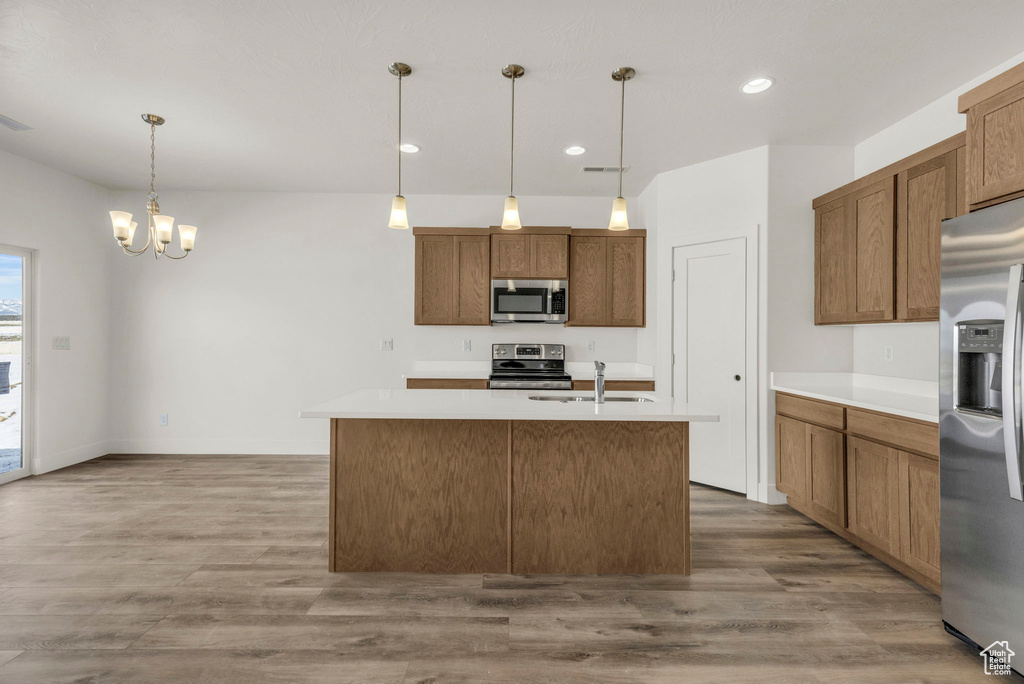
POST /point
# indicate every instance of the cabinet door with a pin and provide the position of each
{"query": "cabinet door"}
(510, 256)
(873, 493)
(791, 457)
(588, 281)
(472, 280)
(925, 195)
(434, 279)
(626, 281)
(873, 215)
(826, 458)
(834, 263)
(919, 514)
(549, 256)
(995, 146)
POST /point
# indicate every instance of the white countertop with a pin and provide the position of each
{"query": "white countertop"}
(499, 405)
(901, 397)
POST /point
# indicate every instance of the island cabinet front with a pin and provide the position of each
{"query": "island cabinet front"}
(493, 496)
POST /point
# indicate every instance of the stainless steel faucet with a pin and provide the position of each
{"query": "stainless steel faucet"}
(598, 382)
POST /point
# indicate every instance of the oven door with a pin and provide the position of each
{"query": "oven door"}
(527, 301)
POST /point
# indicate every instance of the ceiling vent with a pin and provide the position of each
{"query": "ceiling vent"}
(603, 169)
(13, 125)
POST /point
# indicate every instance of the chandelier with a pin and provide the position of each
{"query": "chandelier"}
(159, 227)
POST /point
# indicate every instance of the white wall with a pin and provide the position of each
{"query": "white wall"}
(915, 346)
(62, 218)
(282, 305)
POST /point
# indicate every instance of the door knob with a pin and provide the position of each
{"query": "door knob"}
(736, 377)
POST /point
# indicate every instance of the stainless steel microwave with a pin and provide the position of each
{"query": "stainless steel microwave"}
(529, 301)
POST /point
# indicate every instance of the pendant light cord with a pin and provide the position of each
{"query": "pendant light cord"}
(152, 161)
(622, 128)
(512, 146)
(399, 133)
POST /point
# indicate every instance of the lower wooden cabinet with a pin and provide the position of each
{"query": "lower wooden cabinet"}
(872, 478)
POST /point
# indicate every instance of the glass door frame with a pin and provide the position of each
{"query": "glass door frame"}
(28, 344)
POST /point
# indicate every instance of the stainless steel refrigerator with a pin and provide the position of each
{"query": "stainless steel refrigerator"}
(980, 421)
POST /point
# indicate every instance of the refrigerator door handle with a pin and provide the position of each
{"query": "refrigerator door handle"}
(1012, 380)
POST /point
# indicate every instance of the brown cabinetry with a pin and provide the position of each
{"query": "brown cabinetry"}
(607, 281)
(528, 255)
(452, 280)
(870, 477)
(995, 139)
(877, 239)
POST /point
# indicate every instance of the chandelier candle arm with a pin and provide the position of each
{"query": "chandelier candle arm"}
(399, 214)
(510, 216)
(619, 219)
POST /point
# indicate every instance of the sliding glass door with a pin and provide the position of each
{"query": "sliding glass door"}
(15, 266)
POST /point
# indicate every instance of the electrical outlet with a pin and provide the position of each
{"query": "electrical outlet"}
(887, 353)
(62, 343)
(591, 346)
(163, 419)
(467, 345)
(387, 345)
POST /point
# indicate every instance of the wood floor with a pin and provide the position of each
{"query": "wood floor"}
(150, 569)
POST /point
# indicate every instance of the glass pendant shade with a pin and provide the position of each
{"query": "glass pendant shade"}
(131, 234)
(399, 216)
(619, 220)
(510, 219)
(164, 228)
(187, 235)
(121, 220)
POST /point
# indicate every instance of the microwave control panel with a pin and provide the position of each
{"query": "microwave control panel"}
(558, 301)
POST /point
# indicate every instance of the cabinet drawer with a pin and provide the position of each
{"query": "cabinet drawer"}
(922, 438)
(810, 410)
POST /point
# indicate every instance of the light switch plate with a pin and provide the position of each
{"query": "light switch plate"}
(62, 343)
(387, 345)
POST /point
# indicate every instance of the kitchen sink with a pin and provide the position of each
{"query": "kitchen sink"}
(566, 400)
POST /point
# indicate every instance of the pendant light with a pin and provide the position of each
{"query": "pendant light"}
(619, 220)
(399, 216)
(159, 228)
(510, 218)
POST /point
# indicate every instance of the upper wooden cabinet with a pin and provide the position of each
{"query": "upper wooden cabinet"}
(607, 279)
(995, 139)
(517, 255)
(877, 239)
(453, 280)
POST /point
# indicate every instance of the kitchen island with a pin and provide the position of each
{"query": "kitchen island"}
(491, 481)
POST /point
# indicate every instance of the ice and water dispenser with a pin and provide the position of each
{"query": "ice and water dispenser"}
(979, 368)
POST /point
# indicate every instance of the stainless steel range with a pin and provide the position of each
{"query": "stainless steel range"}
(529, 366)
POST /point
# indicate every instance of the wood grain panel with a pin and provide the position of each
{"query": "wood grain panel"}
(874, 225)
(549, 256)
(919, 514)
(961, 180)
(873, 482)
(626, 270)
(834, 263)
(446, 383)
(826, 458)
(904, 433)
(615, 385)
(995, 146)
(420, 496)
(434, 279)
(926, 194)
(600, 497)
(472, 280)
(791, 467)
(510, 256)
(810, 410)
(588, 281)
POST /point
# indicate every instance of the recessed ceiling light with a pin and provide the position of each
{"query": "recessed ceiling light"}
(409, 147)
(758, 85)
(575, 150)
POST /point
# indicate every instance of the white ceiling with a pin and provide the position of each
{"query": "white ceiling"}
(295, 95)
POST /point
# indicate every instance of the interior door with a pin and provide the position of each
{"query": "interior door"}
(15, 267)
(709, 350)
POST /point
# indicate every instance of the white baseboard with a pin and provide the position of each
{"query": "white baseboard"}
(62, 459)
(267, 447)
(772, 496)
